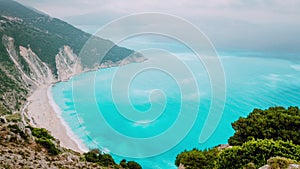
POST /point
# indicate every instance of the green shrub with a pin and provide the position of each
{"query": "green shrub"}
(107, 160)
(258, 152)
(123, 163)
(45, 139)
(275, 123)
(133, 165)
(96, 156)
(49, 145)
(249, 166)
(280, 162)
(92, 156)
(15, 117)
(196, 159)
(41, 133)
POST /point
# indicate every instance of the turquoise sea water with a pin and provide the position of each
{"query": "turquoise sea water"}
(251, 82)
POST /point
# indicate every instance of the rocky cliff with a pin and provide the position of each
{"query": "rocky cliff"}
(37, 49)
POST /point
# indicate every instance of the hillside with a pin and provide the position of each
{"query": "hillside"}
(265, 136)
(36, 49)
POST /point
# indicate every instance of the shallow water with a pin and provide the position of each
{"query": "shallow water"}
(107, 115)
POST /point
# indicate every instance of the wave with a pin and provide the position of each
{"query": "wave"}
(70, 133)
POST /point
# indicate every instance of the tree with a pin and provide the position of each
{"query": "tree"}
(133, 165)
(275, 123)
(257, 152)
(196, 159)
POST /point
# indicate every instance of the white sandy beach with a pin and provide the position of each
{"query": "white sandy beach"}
(43, 114)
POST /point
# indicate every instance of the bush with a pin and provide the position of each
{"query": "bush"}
(15, 117)
(275, 123)
(41, 133)
(107, 160)
(280, 162)
(45, 139)
(133, 165)
(123, 163)
(257, 152)
(92, 156)
(49, 145)
(196, 159)
(249, 166)
(96, 156)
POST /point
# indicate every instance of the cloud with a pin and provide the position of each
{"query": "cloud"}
(259, 25)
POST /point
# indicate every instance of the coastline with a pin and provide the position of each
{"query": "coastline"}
(44, 113)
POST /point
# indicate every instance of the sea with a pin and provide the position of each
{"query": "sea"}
(151, 111)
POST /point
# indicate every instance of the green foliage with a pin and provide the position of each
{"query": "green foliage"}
(133, 165)
(280, 162)
(15, 129)
(96, 156)
(49, 145)
(15, 117)
(11, 88)
(41, 133)
(257, 152)
(92, 156)
(45, 139)
(107, 160)
(123, 163)
(261, 135)
(46, 35)
(249, 166)
(196, 159)
(275, 123)
(3, 110)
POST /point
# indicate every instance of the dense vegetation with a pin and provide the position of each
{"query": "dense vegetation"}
(45, 139)
(257, 152)
(45, 36)
(12, 92)
(258, 138)
(198, 159)
(275, 123)
(96, 156)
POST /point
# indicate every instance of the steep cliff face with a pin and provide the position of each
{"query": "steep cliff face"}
(35, 72)
(67, 64)
(36, 49)
(40, 73)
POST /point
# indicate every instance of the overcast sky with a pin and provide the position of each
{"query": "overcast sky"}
(254, 25)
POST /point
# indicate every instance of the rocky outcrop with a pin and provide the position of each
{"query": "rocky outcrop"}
(68, 64)
(18, 150)
(8, 43)
(40, 73)
(291, 166)
(134, 58)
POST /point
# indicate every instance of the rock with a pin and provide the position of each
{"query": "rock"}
(291, 166)
(181, 166)
(19, 138)
(294, 166)
(8, 138)
(28, 133)
(21, 126)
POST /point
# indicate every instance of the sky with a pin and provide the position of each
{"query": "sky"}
(258, 26)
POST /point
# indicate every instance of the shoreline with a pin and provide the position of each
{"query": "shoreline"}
(43, 112)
